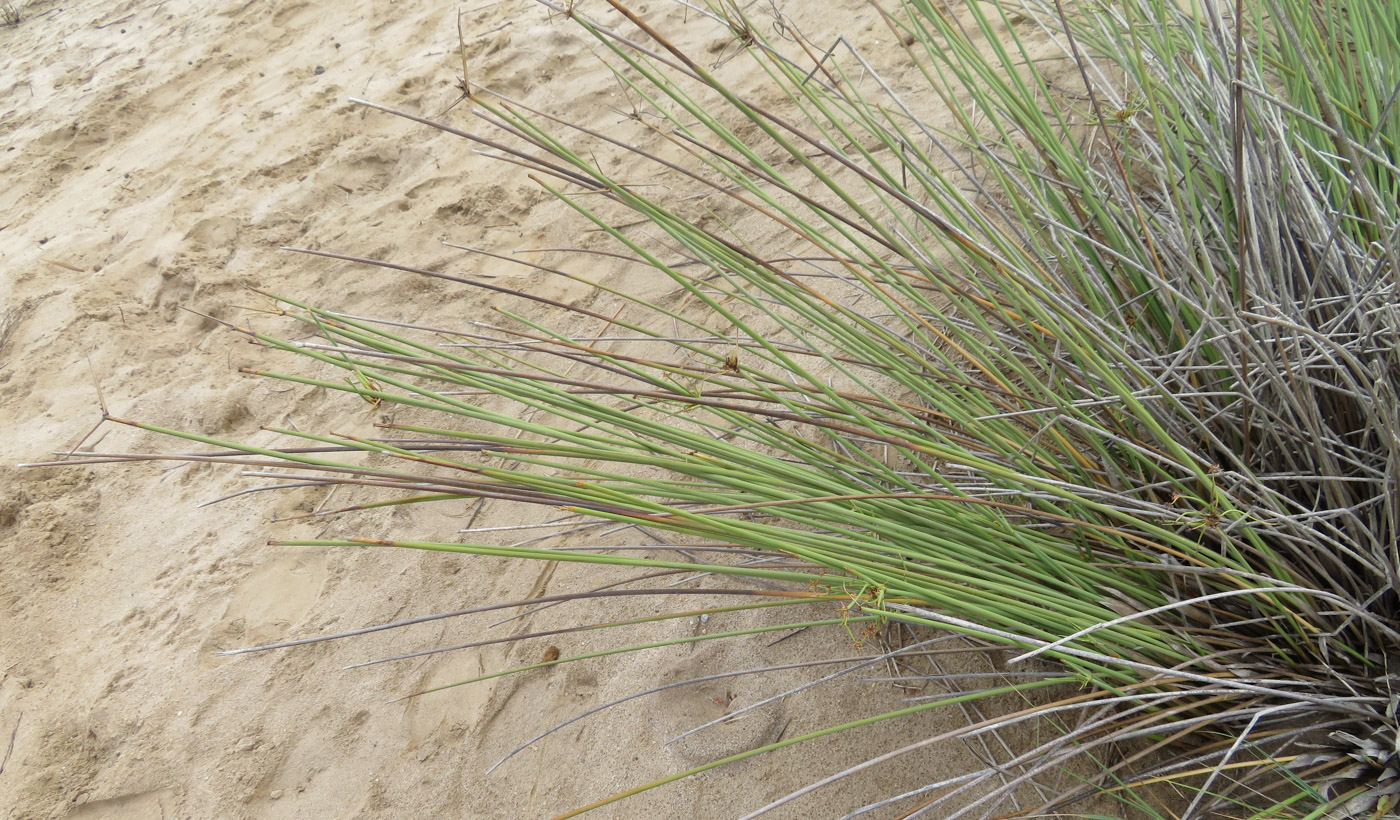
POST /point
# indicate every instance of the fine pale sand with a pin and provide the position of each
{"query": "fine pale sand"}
(155, 155)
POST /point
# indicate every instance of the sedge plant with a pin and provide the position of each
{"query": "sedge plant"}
(1068, 328)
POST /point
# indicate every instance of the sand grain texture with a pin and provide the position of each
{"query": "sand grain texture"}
(155, 155)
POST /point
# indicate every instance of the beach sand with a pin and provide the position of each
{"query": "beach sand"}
(155, 156)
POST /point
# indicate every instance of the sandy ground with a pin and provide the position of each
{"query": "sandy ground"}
(155, 155)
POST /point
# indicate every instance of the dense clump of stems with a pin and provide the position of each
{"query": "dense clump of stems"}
(1069, 328)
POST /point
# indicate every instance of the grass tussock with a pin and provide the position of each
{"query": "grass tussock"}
(11, 13)
(1072, 328)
